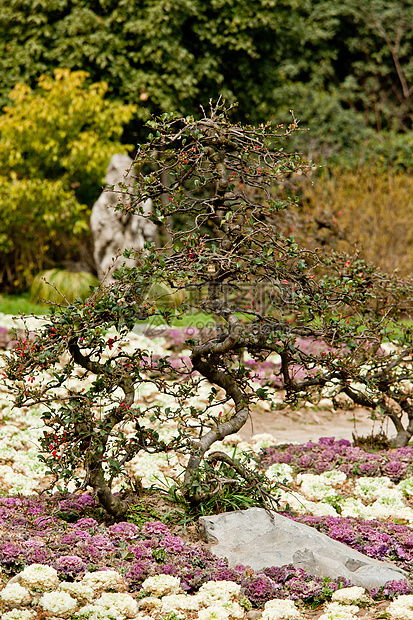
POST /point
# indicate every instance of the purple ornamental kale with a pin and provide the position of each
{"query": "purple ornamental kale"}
(38, 555)
(155, 528)
(137, 574)
(11, 553)
(75, 536)
(391, 589)
(259, 589)
(69, 566)
(394, 469)
(87, 523)
(123, 531)
(172, 544)
(296, 584)
(141, 551)
(167, 569)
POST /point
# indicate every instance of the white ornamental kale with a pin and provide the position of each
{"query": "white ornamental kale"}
(160, 585)
(337, 611)
(315, 487)
(104, 580)
(401, 608)
(179, 602)
(18, 614)
(406, 486)
(58, 603)
(371, 488)
(280, 472)
(80, 591)
(223, 591)
(214, 612)
(97, 612)
(124, 603)
(354, 594)
(15, 594)
(279, 609)
(39, 577)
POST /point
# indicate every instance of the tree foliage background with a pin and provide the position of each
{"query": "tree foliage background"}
(355, 60)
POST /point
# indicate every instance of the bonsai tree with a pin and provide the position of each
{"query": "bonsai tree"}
(330, 324)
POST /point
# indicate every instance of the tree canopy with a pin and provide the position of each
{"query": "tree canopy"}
(336, 324)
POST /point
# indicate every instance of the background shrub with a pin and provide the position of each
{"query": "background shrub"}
(369, 209)
(55, 144)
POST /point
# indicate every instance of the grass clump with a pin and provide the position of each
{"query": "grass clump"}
(60, 285)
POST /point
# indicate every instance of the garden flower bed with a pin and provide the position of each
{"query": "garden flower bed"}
(61, 558)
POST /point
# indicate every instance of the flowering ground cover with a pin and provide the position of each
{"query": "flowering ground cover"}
(61, 558)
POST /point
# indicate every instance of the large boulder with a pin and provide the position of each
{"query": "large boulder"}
(114, 231)
(259, 538)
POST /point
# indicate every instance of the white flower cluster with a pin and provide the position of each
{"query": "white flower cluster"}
(124, 604)
(374, 498)
(338, 611)
(224, 591)
(116, 605)
(79, 590)
(280, 472)
(39, 577)
(58, 603)
(406, 486)
(160, 585)
(401, 608)
(350, 596)
(15, 594)
(213, 612)
(97, 612)
(18, 614)
(281, 609)
(178, 602)
(104, 580)
(18, 447)
(215, 600)
(260, 441)
(315, 487)
(300, 504)
(389, 503)
(370, 488)
(105, 589)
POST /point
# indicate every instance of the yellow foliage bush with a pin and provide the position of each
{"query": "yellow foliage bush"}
(55, 144)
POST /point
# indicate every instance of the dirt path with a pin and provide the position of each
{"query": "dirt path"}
(309, 424)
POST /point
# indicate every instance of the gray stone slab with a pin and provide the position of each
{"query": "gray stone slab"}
(260, 538)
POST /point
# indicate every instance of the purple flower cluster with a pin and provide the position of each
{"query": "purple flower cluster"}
(295, 583)
(35, 533)
(330, 454)
(391, 589)
(260, 588)
(39, 530)
(383, 541)
(69, 566)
